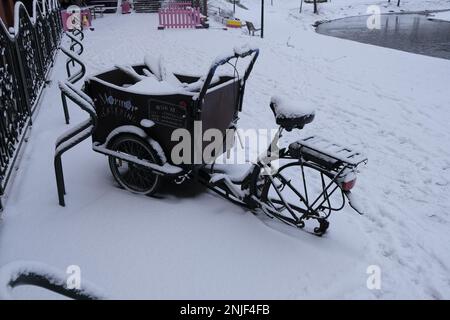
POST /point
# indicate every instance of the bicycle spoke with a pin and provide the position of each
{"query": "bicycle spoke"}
(282, 198)
(136, 177)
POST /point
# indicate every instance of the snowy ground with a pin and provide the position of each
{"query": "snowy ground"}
(444, 16)
(191, 244)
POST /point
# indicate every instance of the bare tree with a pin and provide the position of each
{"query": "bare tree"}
(398, 3)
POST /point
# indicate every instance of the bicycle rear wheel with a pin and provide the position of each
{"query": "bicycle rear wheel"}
(300, 191)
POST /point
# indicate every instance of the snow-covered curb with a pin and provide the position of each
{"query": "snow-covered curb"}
(441, 16)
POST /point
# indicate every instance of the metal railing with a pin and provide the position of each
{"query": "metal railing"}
(27, 53)
(76, 37)
(83, 130)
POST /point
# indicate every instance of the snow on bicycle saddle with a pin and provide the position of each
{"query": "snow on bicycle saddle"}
(289, 115)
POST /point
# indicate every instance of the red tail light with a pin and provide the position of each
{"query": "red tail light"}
(347, 179)
(348, 185)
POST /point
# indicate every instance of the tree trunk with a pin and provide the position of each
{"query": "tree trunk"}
(315, 7)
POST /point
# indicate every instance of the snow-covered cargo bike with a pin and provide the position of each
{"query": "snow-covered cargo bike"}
(135, 112)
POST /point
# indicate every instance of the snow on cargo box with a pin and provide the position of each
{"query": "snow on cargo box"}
(141, 94)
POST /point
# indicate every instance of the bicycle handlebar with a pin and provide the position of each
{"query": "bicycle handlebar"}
(223, 61)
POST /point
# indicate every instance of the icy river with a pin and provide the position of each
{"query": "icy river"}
(415, 33)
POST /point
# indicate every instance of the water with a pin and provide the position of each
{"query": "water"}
(407, 32)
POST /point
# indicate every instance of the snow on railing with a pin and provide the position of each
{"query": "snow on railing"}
(39, 7)
(28, 50)
(44, 6)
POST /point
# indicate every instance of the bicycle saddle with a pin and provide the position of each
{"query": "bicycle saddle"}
(289, 115)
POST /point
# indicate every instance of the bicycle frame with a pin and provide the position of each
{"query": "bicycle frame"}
(246, 192)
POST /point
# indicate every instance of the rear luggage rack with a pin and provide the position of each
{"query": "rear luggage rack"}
(325, 153)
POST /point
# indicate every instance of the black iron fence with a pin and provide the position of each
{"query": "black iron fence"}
(27, 53)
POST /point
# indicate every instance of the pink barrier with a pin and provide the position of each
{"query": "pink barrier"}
(126, 7)
(179, 18)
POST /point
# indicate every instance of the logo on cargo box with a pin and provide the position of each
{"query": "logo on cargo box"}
(113, 106)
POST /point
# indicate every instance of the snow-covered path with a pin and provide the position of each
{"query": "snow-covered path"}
(191, 244)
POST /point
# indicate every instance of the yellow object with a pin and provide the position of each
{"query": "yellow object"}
(234, 23)
(85, 22)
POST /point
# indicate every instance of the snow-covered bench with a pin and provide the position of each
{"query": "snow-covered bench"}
(251, 28)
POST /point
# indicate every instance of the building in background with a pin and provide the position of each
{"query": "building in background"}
(7, 12)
